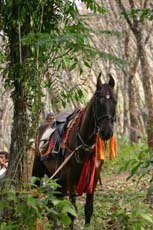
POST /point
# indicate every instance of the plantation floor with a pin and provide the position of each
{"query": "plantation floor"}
(119, 204)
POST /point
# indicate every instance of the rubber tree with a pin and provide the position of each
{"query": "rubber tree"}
(135, 20)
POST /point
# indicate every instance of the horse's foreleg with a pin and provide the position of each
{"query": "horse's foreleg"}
(89, 197)
(88, 208)
(72, 198)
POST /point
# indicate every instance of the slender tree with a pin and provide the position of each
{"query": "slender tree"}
(135, 20)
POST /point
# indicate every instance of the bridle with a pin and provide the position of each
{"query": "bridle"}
(103, 117)
(97, 122)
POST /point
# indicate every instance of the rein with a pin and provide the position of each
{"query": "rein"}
(65, 161)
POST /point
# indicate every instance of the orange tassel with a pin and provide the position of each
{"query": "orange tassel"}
(101, 148)
(112, 148)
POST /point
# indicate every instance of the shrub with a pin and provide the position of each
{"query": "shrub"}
(22, 209)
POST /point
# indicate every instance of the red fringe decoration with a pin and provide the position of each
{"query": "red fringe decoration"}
(88, 167)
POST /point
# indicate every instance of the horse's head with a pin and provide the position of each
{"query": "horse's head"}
(104, 107)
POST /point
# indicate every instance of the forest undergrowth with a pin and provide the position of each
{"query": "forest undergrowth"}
(122, 202)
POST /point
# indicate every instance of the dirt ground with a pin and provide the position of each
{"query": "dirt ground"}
(117, 186)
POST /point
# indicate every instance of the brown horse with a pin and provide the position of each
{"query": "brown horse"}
(97, 117)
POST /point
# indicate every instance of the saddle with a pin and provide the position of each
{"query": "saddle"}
(50, 142)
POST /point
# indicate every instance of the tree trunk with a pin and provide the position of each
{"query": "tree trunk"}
(25, 119)
(125, 106)
(133, 114)
(19, 136)
(147, 84)
(136, 26)
(134, 124)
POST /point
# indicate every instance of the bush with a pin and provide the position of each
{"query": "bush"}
(124, 205)
(22, 209)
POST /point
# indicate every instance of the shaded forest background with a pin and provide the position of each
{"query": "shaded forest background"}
(50, 61)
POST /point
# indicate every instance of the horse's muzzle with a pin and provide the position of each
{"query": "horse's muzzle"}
(106, 135)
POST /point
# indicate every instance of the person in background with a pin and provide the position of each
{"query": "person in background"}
(49, 120)
(3, 163)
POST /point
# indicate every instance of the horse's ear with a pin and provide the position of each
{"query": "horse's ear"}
(111, 81)
(99, 83)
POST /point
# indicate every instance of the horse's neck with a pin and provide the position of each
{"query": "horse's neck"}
(87, 127)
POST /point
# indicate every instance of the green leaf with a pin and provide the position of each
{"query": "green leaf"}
(146, 217)
(32, 202)
(71, 211)
(12, 195)
(55, 202)
(134, 170)
(3, 204)
(65, 219)
(2, 57)
(80, 92)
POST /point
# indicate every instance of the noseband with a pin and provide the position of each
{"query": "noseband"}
(103, 117)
